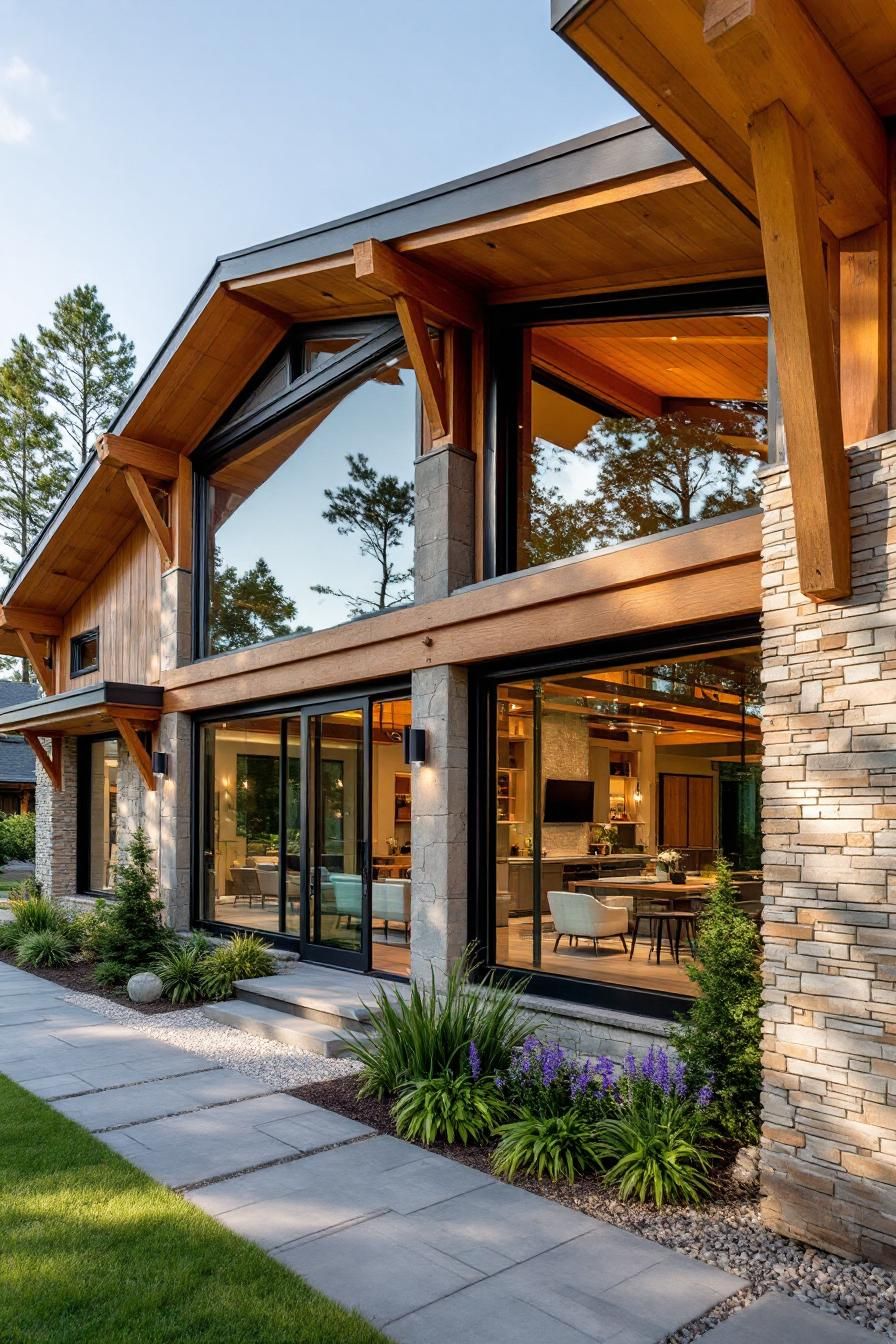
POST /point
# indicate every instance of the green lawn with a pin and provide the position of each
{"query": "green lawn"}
(91, 1250)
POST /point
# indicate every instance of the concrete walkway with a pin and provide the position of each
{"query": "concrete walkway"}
(426, 1248)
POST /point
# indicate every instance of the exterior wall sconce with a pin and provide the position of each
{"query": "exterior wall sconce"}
(160, 762)
(414, 746)
(637, 795)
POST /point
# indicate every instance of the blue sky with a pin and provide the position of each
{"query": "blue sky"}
(140, 140)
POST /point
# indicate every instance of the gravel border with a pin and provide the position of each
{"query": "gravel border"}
(271, 1062)
(727, 1233)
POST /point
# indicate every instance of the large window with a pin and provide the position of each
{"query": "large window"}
(97, 813)
(607, 782)
(620, 429)
(307, 500)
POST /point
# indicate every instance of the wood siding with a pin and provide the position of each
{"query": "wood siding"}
(124, 603)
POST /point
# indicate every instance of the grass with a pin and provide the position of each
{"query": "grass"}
(93, 1250)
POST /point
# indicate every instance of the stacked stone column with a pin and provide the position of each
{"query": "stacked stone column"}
(829, 806)
(56, 825)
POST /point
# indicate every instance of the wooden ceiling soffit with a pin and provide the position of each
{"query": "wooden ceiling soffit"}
(421, 296)
(130, 735)
(770, 50)
(807, 372)
(699, 72)
(51, 761)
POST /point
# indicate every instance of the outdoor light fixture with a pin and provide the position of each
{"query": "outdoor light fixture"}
(160, 762)
(637, 793)
(414, 746)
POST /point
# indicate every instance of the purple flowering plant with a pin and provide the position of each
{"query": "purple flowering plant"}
(545, 1080)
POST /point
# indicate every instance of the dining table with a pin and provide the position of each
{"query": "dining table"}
(647, 889)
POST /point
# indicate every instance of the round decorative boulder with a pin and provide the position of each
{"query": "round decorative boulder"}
(144, 988)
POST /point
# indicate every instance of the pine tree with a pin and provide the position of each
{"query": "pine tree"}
(134, 935)
(720, 1039)
(247, 608)
(376, 509)
(89, 365)
(34, 467)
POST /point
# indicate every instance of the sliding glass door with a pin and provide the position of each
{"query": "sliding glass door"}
(337, 869)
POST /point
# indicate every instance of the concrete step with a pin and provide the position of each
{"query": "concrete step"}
(314, 1037)
(338, 1000)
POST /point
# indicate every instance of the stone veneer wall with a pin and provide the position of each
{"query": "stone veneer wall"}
(829, 806)
(56, 826)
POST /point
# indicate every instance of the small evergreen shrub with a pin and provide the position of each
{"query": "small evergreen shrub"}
(720, 1036)
(456, 1108)
(44, 947)
(428, 1034)
(180, 970)
(111, 974)
(87, 929)
(555, 1147)
(245, 957)
(133, 935)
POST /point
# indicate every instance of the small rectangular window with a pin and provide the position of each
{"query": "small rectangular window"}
(85, 653)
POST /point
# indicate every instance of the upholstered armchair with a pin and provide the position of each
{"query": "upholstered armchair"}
(346, 896)
(577, 915)
(392, 904)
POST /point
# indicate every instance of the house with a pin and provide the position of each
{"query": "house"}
(638, 387)
(16, 757)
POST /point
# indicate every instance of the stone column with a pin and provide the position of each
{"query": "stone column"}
(443, 522)
(57, 826)
(175, 619)
(439, 827)
(172, 810)
(829, 804)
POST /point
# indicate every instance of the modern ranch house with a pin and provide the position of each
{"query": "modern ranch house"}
(454, 562)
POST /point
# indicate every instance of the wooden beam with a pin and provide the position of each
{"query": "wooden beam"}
(425, 365)
(51, 763)
(44, 674)
(785, 185)
(131, 739)
(182, 515)
(158, 528)
(552, 353)
(35, 622)
(443, 301)
(770, 50)
(117, 451)
(864, 334)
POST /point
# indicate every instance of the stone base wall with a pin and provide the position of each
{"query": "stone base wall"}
(829, 807)
(56, 826)
(164, 815)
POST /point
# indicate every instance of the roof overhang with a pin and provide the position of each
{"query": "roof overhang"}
(90, 709)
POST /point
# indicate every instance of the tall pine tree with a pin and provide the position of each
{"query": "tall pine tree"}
(34, 467)
(90, 366)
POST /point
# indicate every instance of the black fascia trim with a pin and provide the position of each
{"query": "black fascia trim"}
(289, 705)
(76, 644)
(544, 173)
(340, 374)
(114, 693)
(746, 294)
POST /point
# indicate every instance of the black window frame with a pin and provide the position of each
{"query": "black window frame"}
(82, 812)
(76, 645)
(662, 646)
(379, 339)
(505, 336)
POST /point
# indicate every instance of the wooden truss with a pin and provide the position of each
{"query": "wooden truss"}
(142, 464)
(51, 761)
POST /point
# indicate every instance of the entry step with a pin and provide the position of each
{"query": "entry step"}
(334, 998)
(315, 1038)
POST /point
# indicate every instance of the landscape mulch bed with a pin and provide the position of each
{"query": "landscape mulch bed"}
(589, 1194)
(79, 976)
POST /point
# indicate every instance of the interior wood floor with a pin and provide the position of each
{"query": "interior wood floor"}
(610, 965)
(390, 957)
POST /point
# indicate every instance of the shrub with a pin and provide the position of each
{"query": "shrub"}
(17, 837)
(45, 947)
(543, 1080)
(720, 1037)
(552, 1146)
(88, 928)
(133, 935)
(450, 1107)
(180, 970)
(245, 957)
(428, 1034)
(656, 1151)
(9, 936)
(111, 974)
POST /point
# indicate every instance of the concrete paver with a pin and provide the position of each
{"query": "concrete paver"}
(777, 1319)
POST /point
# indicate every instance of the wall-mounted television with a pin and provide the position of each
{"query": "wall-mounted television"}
(568, 800)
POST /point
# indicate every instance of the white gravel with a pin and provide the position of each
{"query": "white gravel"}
(270, 1062)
